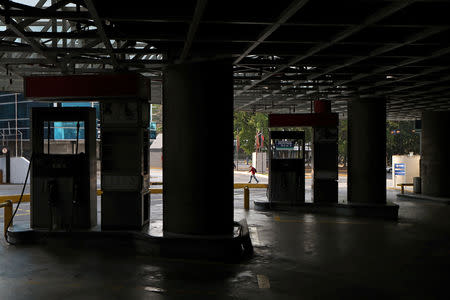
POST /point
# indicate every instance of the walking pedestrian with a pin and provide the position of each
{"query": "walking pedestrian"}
(253, 171)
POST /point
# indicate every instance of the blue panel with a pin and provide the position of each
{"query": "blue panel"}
(76, 104)
(58, 132)
(399, 166)
(68, 130)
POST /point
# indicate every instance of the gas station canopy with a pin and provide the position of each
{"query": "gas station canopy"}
(285, 53)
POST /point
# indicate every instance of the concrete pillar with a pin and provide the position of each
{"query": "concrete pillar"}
(198, 149)
(367, 151)
(435, 161)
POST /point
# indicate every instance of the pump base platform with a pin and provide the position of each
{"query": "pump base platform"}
(421, 197)
(228, 249)
(387, 211)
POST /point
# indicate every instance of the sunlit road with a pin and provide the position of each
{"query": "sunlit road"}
(23, 213)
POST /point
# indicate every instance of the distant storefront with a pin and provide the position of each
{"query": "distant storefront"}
(15, 112)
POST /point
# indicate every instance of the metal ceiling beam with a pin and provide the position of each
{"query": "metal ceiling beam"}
(403, 63)
(387, 82)
(20, 32)
(140, 55)
(52, 8)
(35, 13)
(439, 95)
(101, 31)
(66, 59)
(379, 70)
(30, 61)
(428, 91)
(383, 49)
(198, 13)
(414, 86)
(383, 13)
(24, 25)
(54, 28)
(207, 45)
(284, 16)
(26, 12)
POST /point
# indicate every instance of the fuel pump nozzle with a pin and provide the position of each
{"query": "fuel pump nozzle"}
(52, 199)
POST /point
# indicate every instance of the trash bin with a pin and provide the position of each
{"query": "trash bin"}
(416, 187)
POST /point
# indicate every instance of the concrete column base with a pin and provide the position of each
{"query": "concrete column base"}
(421, 197)
(232, 248)
(387, 211)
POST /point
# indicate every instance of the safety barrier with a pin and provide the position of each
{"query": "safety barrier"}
(7, 201)
(15, 198)
(8, 214)
(245, 186)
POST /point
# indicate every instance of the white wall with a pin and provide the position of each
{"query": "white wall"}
(411, 163)
(155, 158)
(19, 167)
(259, 161)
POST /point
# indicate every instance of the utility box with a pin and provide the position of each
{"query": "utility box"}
(125, 164)
(325, 170)
(405, 168)
(417, 185)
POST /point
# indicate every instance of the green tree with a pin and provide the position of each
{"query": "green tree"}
(342, 141)
(157, 117)
(246, 126)
(401, 139)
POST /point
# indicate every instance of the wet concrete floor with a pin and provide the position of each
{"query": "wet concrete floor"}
(297, 256)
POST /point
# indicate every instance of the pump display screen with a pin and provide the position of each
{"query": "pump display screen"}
(287, 149)
(284, 145)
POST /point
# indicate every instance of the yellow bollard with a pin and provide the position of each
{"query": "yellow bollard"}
(8, 214)
(246, 198)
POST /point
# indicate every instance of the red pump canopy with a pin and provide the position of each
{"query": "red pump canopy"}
(87, 87)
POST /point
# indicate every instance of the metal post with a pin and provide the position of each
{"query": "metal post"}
(16, 119)
(8, 215)
(48, 137)
(236, 154)
(151, 113)
(21, 143)
(8, 166)
(246, 198)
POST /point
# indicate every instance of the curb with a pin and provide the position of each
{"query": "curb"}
(248, 173)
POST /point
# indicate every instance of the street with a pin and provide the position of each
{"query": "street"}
(23, 212)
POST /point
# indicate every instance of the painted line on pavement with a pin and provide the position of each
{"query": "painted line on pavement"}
(26, 214)
(154, 289)
(248, 173)
(263, 281)
(254, 236)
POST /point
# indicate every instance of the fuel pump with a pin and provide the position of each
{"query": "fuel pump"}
(287, 167)
(63, 186)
